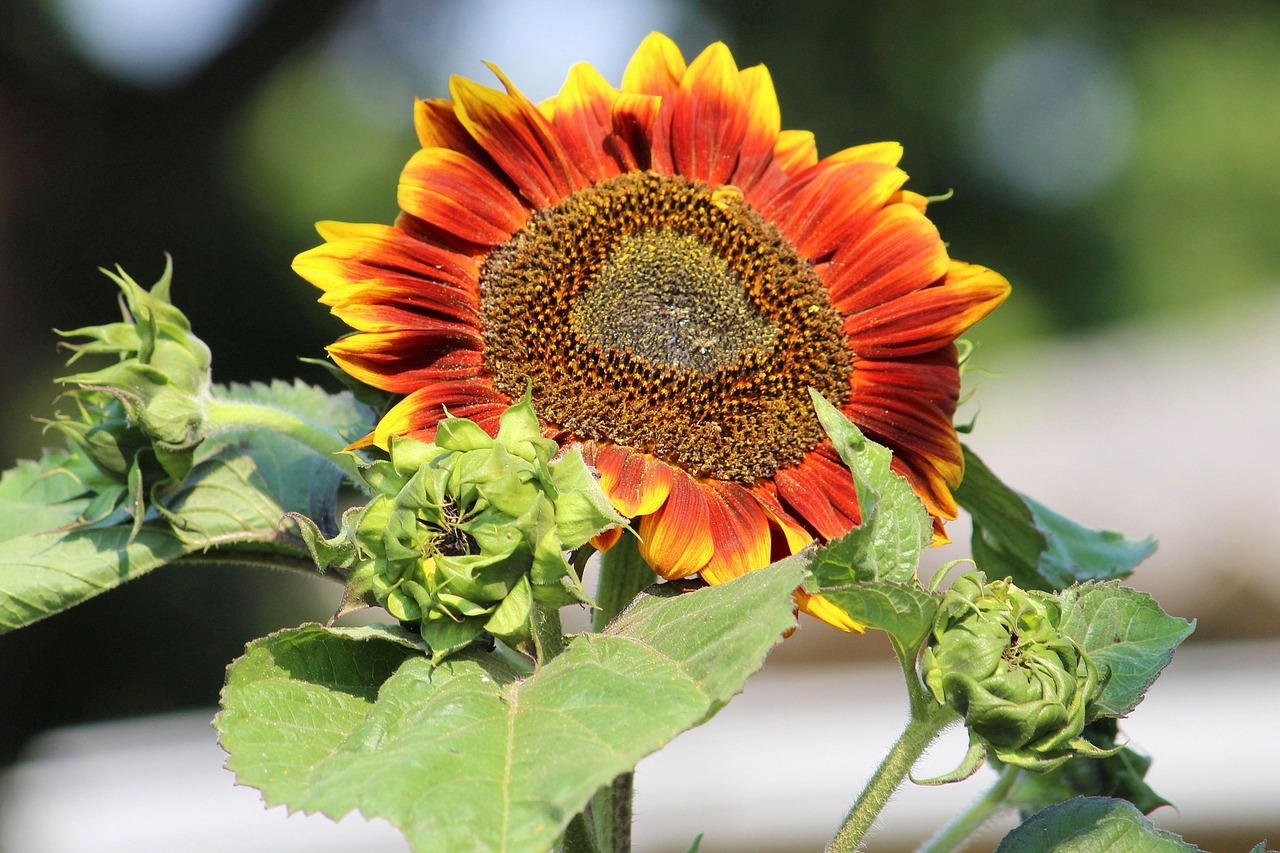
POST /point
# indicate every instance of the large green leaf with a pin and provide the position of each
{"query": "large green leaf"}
(1091, 825)
(1016, 537)
(1126, 632)
(468, 755)
(895, 527)
(233, 500)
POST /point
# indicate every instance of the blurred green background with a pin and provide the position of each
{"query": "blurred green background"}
(1114, 161)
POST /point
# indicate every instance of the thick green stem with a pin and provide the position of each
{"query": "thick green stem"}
(928, 719)
(969, 821)
(226, 416)
(548, 635)
(919, 733)
(610, 812)
(623, 573)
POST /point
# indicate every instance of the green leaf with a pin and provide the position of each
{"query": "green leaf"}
(895, 526)
(905, 612)
(1091, 825)
(233, 500)
(468, 755)
(1120, 776)
(43, 573)
(39, 496)
(1126, 632)
(1016, 537)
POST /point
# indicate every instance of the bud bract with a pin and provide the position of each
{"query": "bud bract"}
(997, 658)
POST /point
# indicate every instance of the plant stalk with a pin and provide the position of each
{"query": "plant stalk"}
(226, 416)
(969, 821)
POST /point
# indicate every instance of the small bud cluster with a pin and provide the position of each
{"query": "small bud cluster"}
(1023, 688)
(464, 534)
(140, 418)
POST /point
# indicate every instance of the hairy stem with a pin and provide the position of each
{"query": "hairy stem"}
(969, 821)
(227, 416)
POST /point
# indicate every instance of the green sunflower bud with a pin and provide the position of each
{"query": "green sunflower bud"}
(466, 533)
(140, 418)
(997, 658)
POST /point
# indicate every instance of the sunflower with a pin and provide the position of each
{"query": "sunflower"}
(670, 272)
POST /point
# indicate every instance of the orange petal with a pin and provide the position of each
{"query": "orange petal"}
(518, 138)
(418, 414)
(790, 535)
(460, 195)
(896, 252)
(740, 531)
(583, 121)
(636, 483)
(931, 485)
(656, 68)
(795, 151)
(888, 153)
(708, 117)
(676, 539)
(824, 207)
(818, 606)
(930, 318)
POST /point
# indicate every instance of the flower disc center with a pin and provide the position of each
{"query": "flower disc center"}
(655, 312)
(668, 298)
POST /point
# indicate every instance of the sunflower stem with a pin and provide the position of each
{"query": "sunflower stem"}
(927, 721)
(969, 821)
(227, 416)
(548, 635)
(623, 573)
(578, 837)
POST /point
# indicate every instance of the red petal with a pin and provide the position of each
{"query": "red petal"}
(417, 414)
(400, 362)
(819, 490)
(927, 319)
(708, 118)
(823, 207)
(372, 305)
(897, 251)
(676, 539)
(462, 196)
(584, 120)
(639, 139)
(517, 136)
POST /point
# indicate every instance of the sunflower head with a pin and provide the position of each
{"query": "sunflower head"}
(670, 271)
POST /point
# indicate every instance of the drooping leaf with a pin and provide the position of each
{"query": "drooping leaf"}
(1120, 776)
(1091, 825)
(1126, 632)
(43, 573)
(1016, 537)
(468, 755)
(895, 527)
